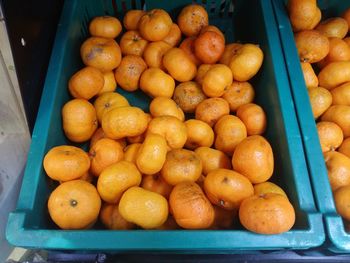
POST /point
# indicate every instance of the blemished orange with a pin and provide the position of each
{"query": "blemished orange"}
(253, 117)
(190, 207)
(172, 129)
(105, 26)
(253, 157)
(132, 43)
(65, 163)
(267, 214)
(110, 83)
(74, 205)
(179, 65)
(86, 83)
(107, 102)
(209, 47)
(132, 18)
(161, 106)
(112, 219)
(154, 52)
(192, 19)
(216, 80)
(145, 208)
(181, 165)
(230, 131)
(155, 25)
(212, 159)
(239, 93)
(330, 135)
(124, 121)
(199, 134)
(338, 167)
(101, 53)
(268, 187)
(129, 72)
(156, 183)
(131, 152)
(345, 147)
(342, 201)
(187, 45)
(104, 153)
(156, 83)
(188, 95)
(227, 189)
(117, 178)
(211, 110)
(173, 38)
(79, 120)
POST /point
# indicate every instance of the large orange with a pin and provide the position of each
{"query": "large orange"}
(192, 19)
(267, 214)
(65, 163)
(155, 25)
(74, 205)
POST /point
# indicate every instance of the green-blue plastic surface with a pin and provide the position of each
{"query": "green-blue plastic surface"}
(29, 225)
(338, 238)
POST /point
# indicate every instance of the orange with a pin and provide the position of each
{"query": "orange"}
(154, 52)
(342, 201)
(152, 153)
(339, 50)
(155, 25)
(117, 178)
(345, 147)
(217, 79)
(131, 152)
(179, 65)
(124, 121)
(341, 94)
(65, 163)
(161, 106)
(173, 38)
(253, 117)
(209, 47)
(107, 102)
(311, 80)
(253, 157)
(211, 110)
(330, 135)
(100, 134)
(104, 153)
(338, 166)
(268, 187)
(110, 83)
(105, 26)
(86, 83)
(239, 93)
(267, 214)
(227, 188)
(229, 51)
(156, 83)
(334, 74)
(333, 27)
(132, 43)
(199, 134)
(303, 14)
(111, 218)
(181, 165)
(188, 95)
(190, 207)
(172, 129)
(201, 72)
(79, 120)
(132, 18)
(129, 72)
(101, 53)
(230, 131)
(191, 19)
(74, 205)
(246, 62)
(187, 45)
(320, 100)
(156, 183)
(212, 159)
(340, 115)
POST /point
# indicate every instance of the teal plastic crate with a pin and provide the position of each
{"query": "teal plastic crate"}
(338, 238)
(29, 225)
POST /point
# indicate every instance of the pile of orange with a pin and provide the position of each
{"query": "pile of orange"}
(325, 47)
(161, 170)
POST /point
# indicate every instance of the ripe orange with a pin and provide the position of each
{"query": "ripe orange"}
(238, 94)
(132, 43)
(211, 110)
(199, 134)
(105, 26)
(330, 135)
(155, 25)
(192, 19)
(253, 117)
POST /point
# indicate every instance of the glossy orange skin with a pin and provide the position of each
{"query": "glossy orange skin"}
(105, 26)
(209, 47)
